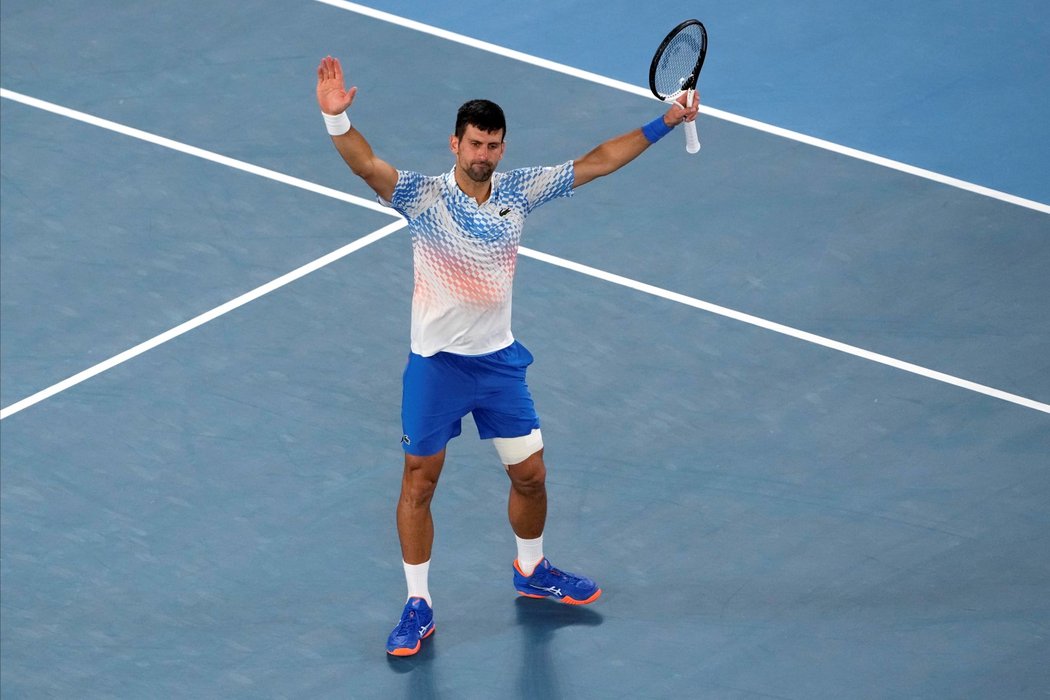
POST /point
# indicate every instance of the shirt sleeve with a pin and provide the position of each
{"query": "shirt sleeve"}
(543, 184)
(411, 193)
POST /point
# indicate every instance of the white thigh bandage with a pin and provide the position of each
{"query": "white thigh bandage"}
(518, 449)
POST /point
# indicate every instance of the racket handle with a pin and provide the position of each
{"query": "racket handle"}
(692, 141)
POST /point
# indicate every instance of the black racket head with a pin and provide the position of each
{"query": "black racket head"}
(676, 64)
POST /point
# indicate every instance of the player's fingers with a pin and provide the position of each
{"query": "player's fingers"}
(677, 110)
(693, 107)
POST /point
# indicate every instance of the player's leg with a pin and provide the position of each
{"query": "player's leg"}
(431, 408)
(415, 526)
(507, 414)
(415, 529)
(527, 503)
(435, 396)
(534, 576)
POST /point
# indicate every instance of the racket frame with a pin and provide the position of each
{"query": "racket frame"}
(689, 85)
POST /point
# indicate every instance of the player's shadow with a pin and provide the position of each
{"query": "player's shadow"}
(539, 621)
(421, 684)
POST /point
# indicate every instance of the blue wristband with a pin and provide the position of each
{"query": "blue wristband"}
(656, 130)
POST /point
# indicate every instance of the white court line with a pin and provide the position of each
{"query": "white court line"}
(780, 328)
(194, 151)
(230, 305)
(390, 228)
(717, 113)
(203, 318)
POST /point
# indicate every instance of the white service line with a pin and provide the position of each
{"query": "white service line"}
(194, 151)
(717, 113)
(780, 328)
(203, 318)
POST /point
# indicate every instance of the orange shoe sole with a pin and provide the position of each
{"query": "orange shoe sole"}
(567, 600)
(414, 650)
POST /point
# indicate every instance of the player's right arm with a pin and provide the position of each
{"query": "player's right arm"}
(334, 99)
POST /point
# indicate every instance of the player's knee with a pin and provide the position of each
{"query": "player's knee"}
(420, 480)
(417, 492)
(529, 477)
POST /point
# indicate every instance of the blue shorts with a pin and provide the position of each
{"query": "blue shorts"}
(439, 390)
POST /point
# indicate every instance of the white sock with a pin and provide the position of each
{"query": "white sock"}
(416, 577)
(530, 553)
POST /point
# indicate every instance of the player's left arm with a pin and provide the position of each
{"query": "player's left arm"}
(621, 150)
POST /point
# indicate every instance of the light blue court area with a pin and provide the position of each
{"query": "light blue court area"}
(795, 404)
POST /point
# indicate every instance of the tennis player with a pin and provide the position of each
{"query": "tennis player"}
(465, 227)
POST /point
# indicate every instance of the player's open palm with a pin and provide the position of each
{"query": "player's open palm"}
(332, 95)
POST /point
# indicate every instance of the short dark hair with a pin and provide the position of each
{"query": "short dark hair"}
(483, 114)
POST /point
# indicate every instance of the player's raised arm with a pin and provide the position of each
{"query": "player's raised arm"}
(618, 152)
(334, 99)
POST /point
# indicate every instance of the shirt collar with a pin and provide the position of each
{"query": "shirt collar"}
(451, 186)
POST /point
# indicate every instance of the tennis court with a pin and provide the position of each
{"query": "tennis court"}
(795, 390)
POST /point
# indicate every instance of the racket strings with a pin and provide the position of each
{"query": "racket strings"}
(675, 65)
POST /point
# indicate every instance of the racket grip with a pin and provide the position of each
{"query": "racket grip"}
(692, 141)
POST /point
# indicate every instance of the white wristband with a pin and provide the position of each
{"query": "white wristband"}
(338, 124)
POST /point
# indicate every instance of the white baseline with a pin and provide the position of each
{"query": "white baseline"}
(717, 113)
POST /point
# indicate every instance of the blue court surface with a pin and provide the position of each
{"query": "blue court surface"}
(795, 389)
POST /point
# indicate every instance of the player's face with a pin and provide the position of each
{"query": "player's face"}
(478, 152)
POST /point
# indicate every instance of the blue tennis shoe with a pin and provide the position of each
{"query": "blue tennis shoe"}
(548, 582)
(417, 623)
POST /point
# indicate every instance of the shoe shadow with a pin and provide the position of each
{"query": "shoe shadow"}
(421, 662)
(418, 670)
(539, 620)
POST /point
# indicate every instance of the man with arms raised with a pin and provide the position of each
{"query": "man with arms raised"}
(465, 228)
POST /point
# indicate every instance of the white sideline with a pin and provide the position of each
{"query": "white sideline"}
(782, 329)
(194, 151)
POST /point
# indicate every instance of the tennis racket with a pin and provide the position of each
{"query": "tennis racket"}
(676, 67)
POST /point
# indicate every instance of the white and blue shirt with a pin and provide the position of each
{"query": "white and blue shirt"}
(464, 254)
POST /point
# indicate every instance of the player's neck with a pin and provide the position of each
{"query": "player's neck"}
(480, 191)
